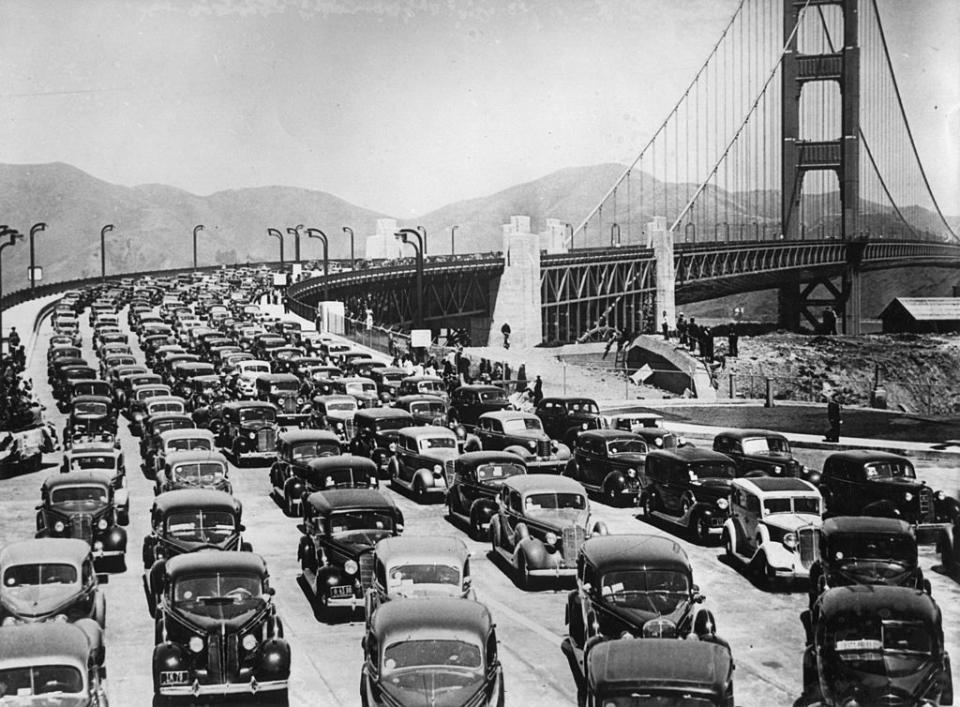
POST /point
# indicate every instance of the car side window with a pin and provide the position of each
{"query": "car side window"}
(721, 444)
(753, 504)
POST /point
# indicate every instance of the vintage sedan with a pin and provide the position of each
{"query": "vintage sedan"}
(176, 440)
(363, 390)
(875, 645)
(194, 469)
(343, 471)
(773, 526)
(340, 529)
(217, 629)
(430, 566)
(283, 390)
(469, 402)
(137, 400)
(762, 451)
(474, 480)
(89, 415)
(521, 433)
(375, 432)
(425, 409)
(424, 385)
(49, 579)
(609, 463)
(869, 483)
(87, 453)
(866, 550)
(53, 664)
(418, 464)
(334, 413)
(249, 430)
(436, 651)
(388, 380)
(84, 505)
(696, 673)
(297, 448)
(540, 524)
(565, 418)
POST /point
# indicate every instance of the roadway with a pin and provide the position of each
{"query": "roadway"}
(762, 627)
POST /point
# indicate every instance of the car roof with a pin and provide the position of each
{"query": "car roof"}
(480, 387)
(188, 456)
(690, 454)
(293, 436)
(381, 414)
(335, 398)
(79, 478)
(431, 618)
(635, 551)
(567, 399)
(427, 431)
(474, 458)
(628, 661)
(44, 550)
(199, 562)
(246, 404)
(746, 433)
(866, 524)
(277, 377)
(866, 455)
(609, 434)
(509, 415)
(194, 498)
(418, 397)
(186, 433)
(891, 602)
(341, 461)
(44, 643)
(425, 548)
(776, 484)
(544, 482)
(336, 499)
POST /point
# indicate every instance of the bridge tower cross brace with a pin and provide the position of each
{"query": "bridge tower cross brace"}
(842, 155)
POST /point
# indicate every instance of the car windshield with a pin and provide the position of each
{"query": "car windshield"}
(655, 698)
(359, 387)
(426, 573)
(89, 408)
(659, 591)
(165, 406)
(709, 470)
(498, 472)
(438, 443)
(442, 654)
(430, 387)
(80, 495)
(199, 525)
(284, 387)
(522, 424)
(148, 393)
(554, 502)
(887, 548)
(91, 389)
(189, 443)
(36, 574)
(309, 450)
(583, 407)
(890, 470)
(880, 647)
(267, 414)
(797, 504)
(492, 396)
(255, 368)
(392, 423)
(90, 461)
(207, 593)
(763, 445)
(427, 408)
(361, 526)
(174, 424)
(200, 474)
(626, 446)
(19, 685)
(344, 405)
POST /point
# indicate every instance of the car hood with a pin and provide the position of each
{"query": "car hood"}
(873, 572)
(559, 519)
(442, 455)
(207, 616)
(907, 680)
(255, 425)
(714, 487)
(37, 600)
(639, 616)
(431, 688)
(629, 458)
(341, 415)
(792, 521)
(427, 590)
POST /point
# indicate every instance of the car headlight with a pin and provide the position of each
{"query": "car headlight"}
(777, 470)
(939, 495)
(790, 541)
(195, 644)
(908, 496)
(350, 567)
(299, 402)
(339, 425)
(437, 470)
(102, 524)
(532, 444)
(550, 538)
(62, 618)
(252, 435)
(461, 431)
(249, 642)
(392, 447)
(632, 473)
(59, 526)
(583, 425)
(722, 504)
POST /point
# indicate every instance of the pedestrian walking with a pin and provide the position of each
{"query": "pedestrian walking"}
(537, 391)
(505, 330)
(693, 334)
(682, 329)
(733, 341)
(835, 418)
(665, 327)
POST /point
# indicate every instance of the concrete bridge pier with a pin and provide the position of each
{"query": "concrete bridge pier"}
(661, 241)
(518, 298)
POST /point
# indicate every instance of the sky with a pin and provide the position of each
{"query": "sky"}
(400, 107)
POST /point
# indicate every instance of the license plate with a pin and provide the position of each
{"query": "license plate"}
(341, 592)
(173, 677)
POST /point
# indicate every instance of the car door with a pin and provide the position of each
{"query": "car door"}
(597, 465)
(674, 483)
(751, 514)
(406, 458)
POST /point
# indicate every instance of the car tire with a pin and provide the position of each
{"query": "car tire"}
(611, 495)
(476, 529)
(523, 575)
(701, 529)
(419, 492)
(288, 505)
(100, 610)
(727, 542)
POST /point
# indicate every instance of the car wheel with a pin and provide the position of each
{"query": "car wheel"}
(100, 610)
(727, 544)
(289, 505)
(419, 492)
(476, 528)
(523, 575)
(611, 496)
(701, 529)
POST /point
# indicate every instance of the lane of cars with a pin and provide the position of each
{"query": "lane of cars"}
(216, 626)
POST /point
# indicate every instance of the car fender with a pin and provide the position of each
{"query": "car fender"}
(731, 529)
(472, 443)
(484, 509)
(563, 451)
(777, 555)
(882, 509)
(615, 479)
(572, 469)
(94, 637)
(274, 660)
(115, 539)
(533, 550)
(330, 576)
(168, 656)
(520, 451)
(425, 477)
(494, 531)
(293, 488)
(600, 528)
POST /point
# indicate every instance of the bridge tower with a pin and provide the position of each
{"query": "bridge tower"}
(842, 156)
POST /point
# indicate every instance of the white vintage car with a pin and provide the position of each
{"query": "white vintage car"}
(774, 526)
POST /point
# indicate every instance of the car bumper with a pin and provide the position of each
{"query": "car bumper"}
(231, 688)
(100, 554)
(549, 466)
(553, 572)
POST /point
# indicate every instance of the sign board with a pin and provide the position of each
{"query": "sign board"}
(37, 274)
(641, 374)
(279, 279)
(297, 269)
(420, 338)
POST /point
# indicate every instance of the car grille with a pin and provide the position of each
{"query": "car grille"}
(289, 405)
(366, 569)
(925, 499)
(82, 527)
(266, 439)
(544, 448)
(572, 538)
(809, 545)
(223, 656)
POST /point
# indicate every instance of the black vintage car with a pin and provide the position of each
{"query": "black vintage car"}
(375, 433)
(340, 529)
(296, 448)
(609, 463)
(249, 430)
(689, 487)
(949, 548)
(869, 483)
(425, 409)
(474, 481)
(431, 651)
(67, 375)
(762, 451)
(283, 390)
(388, 380)
(342, 471)
(665, 672)
(334, 413)
(865, 550)
(91, 386)
(217, 631)
(90, 415)
(84, 504)
(469, 402)
(565, 418)
(155, 425)
(522, 433)
(875, 645)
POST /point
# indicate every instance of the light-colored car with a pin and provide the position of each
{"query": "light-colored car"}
(419, 461)
(773, 526)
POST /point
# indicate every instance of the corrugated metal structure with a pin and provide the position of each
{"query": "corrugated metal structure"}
(922, 315)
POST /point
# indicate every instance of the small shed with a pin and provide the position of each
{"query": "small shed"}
(921, 315)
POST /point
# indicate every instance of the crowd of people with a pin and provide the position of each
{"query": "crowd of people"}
(19, 406)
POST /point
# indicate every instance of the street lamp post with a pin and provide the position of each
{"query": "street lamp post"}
(279, 236)
(402, 235)
(103, 253)
(353, 259)
(569, 227)
(34, 230)
(295, 232)
(317, 233)
(196, 229)
(453, 242)
(423, 244)
(15, 235)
